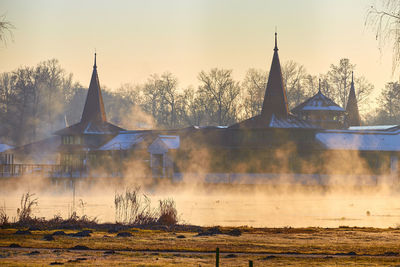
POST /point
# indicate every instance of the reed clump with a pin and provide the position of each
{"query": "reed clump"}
(133, 207)
(26, 219)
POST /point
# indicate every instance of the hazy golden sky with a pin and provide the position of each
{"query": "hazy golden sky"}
(134, 39)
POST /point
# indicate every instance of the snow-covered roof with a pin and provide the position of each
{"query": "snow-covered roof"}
(318, 102)
(374, 127)
(123, 141)
(289, 122)
(172, 141)
(164, 143)
(210, 127)
(4, 147)
(90, 128)
(273, 121)
(319, 106)
(363, 141)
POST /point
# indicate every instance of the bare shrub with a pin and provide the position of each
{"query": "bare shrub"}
(24, 213)
(168, 214)
(133, 207)
(3, 216)
(73, 222)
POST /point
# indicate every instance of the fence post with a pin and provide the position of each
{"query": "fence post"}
(250, 263)
(217, 257)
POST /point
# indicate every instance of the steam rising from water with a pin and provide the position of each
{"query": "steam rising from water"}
(227, 205)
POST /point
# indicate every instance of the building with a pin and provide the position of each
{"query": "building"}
(311, 143)
(353, 116)
(322, 111)
(91, 132)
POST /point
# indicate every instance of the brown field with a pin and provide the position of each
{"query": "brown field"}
(342, 246)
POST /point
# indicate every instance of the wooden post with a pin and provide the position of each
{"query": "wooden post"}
(217, 257)
(250, 263)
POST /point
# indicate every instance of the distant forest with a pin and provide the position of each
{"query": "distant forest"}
(36, 101)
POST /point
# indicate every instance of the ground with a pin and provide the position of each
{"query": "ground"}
(179, 247)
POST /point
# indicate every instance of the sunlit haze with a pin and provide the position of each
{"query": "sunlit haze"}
(134, 39)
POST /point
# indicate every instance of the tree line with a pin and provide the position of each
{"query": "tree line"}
(36, 101)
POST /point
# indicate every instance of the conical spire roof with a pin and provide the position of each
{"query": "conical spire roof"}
(275, 112)
(275, 100)
(353, 116)
(94, 106)
(94, 118)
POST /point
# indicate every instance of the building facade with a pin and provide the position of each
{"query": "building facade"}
(316, 139)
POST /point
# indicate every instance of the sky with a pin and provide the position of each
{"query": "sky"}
(135, 39)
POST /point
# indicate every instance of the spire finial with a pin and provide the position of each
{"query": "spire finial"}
(276, 41)
(95, 66)
(319, 85)
(352, 78)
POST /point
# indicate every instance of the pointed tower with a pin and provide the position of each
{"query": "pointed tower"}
(94, 106)
(93, 120)
(275, 112)
(275, 100)
(321, 110)
(353, 116)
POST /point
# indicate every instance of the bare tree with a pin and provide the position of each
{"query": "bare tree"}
(6, 28)
(168, 93)
(8, 105)
(191, 108)
(296, 79)
(254, 85)
(160, 99)
(32, 100)
(384, 18)
(24, 88)
(151, 97)
(220, 95)
(49, 76)
(389, 104)
(363, 90)
(119, 103)
(340, 80)
(336, 84)
(130, 93)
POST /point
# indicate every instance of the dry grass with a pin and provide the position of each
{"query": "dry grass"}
(127, 258)
(3, 216)
(168, 214)
(153, 247)
(28, 202)
(134, 208)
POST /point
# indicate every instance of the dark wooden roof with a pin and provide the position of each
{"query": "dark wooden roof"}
(353, 116)
(275, 112)
(319, 102)
(39, 152)
(259, 121)
(94, 106)
(91, 127)
(93, 119)
(275, 101)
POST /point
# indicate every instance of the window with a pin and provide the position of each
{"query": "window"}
(68, 139)
(72, 140)
(72, 160)
(157, 164)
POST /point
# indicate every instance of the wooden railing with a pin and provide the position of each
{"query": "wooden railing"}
(52, 171)
(46, 170)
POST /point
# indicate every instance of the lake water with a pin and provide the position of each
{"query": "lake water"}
(233, 206)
